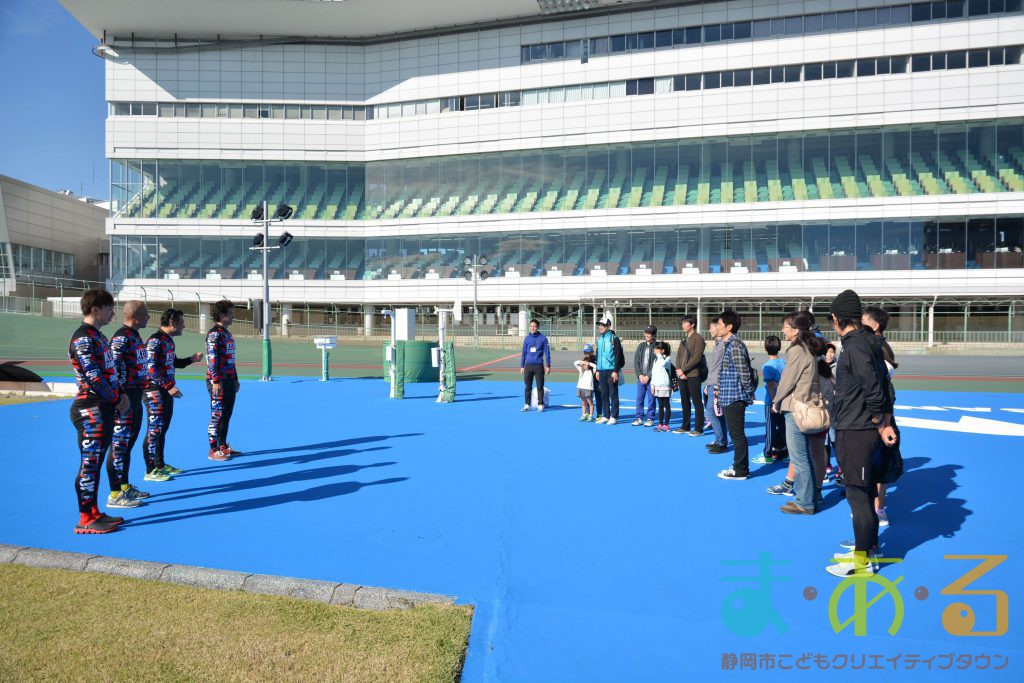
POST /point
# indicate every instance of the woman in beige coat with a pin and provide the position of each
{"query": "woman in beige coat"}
(800, 381)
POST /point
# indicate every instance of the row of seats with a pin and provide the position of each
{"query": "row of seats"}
(949, 171)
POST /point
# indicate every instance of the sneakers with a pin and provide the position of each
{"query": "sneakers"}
(231, 451)
(782, 489)
(715, 448)
(526, 407)
(590, 418)
(761, 459)
(846, 564)
(172, 470)
(730, 474)
(637, 423)
(792, 508)
(219, 454)
(883, 517)
(122, 499)
(612, 420)
(662, 428)
(694, 432)
(103, 524)
(136, 493)
(601, 420)
(649, 423)
(584, 418)
(540, 407)
(680, 430)
(157, 474)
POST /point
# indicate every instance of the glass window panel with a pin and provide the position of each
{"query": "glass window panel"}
(777, 74)
(712, 80)
(631, 41)
(954, 9)
(938, 61)
(812, 23)
(741, 30)
(556, 50)
(678, 83)
(136, 108)
(524, 54)
(846, 21)
(792, 73)
(618, 44)
(869, 245)
(882, 65)
(599, 46)
(778, 26)
(794, 26)
(574, 48)
(663, 39)
(712, 33)
(1012, 55)
(866, 18)
(844, 69)
(921, 11)
(939, 9)
(741, 78)
(537, 52)
(956, 60)
(981, 243)
(899, 64)
(762, 28)
(693, 81)
(727, 79)
(977, 7)
(761, 76)
(149, 108)
(693, 35)
(865, 67)
(976, 58)
(122, 108)
(192, 110)
(678, 36)
(726, 31)
(828, 21)
(1009, 242)
(882, 16)
(168, 109)
(209, 110)
(899, 14)
(645, 41)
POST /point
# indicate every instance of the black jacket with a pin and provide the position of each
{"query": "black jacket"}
(862, 384)
(639, 367)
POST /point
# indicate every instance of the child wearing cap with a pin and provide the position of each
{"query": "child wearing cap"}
(585, 386)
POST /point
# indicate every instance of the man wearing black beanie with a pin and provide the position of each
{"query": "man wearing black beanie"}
(861, 413)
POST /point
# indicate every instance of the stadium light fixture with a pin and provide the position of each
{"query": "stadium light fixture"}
(261, 242)
(559, 6)
(475, 273)
(104, 51)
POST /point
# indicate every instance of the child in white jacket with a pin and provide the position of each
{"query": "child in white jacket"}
(586, 366)
(661, 383)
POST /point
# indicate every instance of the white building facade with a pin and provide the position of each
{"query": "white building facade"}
(630, 151)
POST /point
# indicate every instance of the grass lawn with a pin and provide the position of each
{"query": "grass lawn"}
(68, 626)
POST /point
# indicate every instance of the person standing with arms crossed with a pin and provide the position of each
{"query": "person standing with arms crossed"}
(535, 362)
(161, 390)
(130, 359)
(92, 412)
(221, 379)
(690, 366)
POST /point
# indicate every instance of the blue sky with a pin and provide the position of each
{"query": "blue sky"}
(52, 107)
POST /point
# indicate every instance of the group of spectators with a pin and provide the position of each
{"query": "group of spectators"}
(117, 378)
(819, 400)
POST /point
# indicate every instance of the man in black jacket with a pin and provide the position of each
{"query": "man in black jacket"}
(861, 413)
(643, 359)
(691, 369)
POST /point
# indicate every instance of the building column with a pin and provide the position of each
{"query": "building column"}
(524, 319)
(205, 319)
(367, 320)
(931, 325)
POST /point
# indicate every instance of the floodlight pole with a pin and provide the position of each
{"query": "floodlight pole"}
(267, 354)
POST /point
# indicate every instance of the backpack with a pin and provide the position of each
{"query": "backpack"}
(620, 356)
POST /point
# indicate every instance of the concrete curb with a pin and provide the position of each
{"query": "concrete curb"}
(327, 592)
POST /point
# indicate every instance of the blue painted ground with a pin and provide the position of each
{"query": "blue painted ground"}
(592, 553)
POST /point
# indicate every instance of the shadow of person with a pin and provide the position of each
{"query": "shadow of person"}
(303, 459)
(285, 478)
(324, 492)
(920, 507)
(355, 441)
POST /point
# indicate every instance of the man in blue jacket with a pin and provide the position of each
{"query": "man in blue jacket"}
(535, 361)
(610, 360)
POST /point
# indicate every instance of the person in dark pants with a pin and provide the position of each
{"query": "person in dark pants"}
(691, 369)
(643, 359)
(877, 320)
(92, 412)
(130, 358)
(735, 391)
(534, 363)
(861, 413)
(610, 359)
(221, 380)
(161, 390)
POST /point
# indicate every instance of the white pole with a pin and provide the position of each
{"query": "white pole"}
(266, 294)
(931, 325)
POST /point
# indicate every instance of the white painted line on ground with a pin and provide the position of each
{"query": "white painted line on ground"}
(966, 424)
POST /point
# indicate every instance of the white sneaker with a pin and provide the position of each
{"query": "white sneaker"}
(883, 518)
(601, 420)
(540, 408)
(847, 558)
(526, 407)
(612, 420)
(649, 423)
(637, 422)
(845, 569)
(730, 474)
